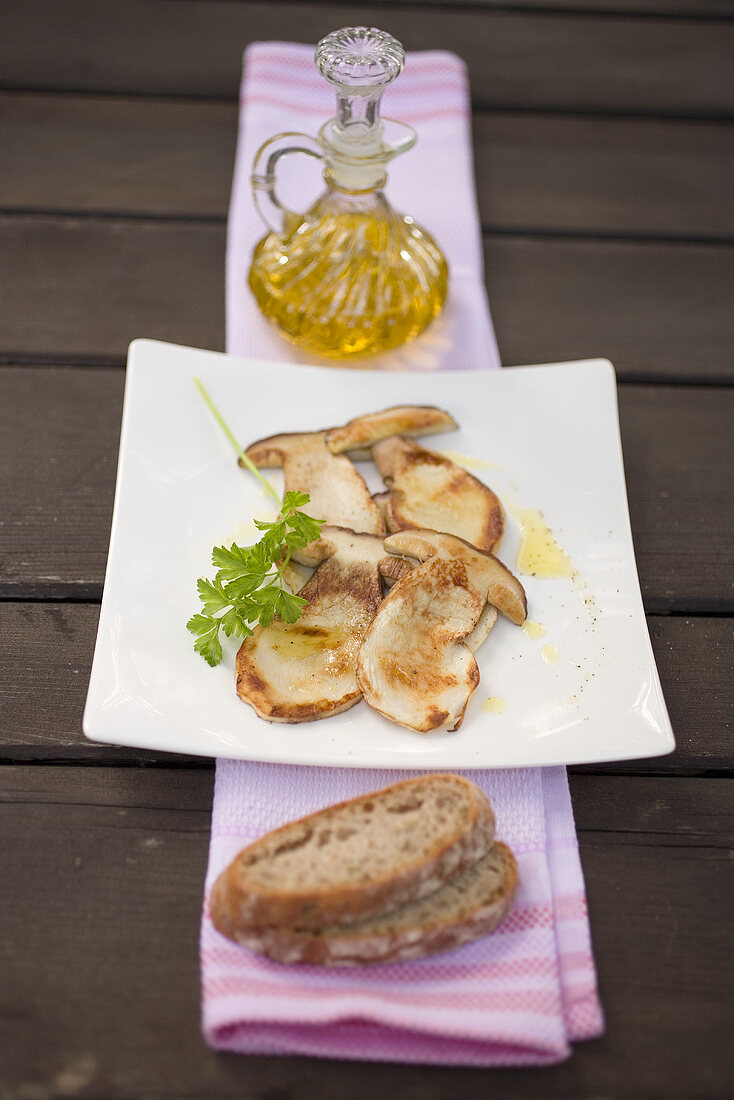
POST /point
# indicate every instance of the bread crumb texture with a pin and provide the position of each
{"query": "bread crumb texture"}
(363, 841)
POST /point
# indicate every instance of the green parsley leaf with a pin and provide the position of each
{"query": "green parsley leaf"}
(289, 606)
(247, 588)
(293, 500)
(235, 560)
(209, 646)
(212, 595)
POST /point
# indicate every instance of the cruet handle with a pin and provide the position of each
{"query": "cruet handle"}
(272, 211)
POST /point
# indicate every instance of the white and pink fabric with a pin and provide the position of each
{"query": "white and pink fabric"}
(522, 995)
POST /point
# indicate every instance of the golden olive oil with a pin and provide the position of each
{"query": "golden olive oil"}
(539, 554)
(351, 277)
(353, 282)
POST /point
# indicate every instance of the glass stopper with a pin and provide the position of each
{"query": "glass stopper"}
(359, 62)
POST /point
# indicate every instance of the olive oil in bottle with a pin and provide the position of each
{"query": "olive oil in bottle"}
(351, 277)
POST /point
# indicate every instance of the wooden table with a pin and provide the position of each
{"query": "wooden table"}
(602, 138)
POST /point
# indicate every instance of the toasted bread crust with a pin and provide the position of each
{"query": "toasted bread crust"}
(240, 905)
(361, 944)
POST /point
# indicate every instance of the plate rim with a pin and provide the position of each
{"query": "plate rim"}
(93, 717)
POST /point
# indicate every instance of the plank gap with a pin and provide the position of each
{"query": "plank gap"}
(600, 235)
(617, 768)
(180, 763)
(61, 361)
(68, 362)
(61, 597)
(479, 105)
(143, 217)
(13, 597)
(614, 768)
(530, 9)
(91, 594)
(101, 215)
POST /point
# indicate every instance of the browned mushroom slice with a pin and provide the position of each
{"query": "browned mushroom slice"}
(503, 590)
(295, 575)
(415, 665)
(381, 500)
(338, 493)
(427, 490)
(298, 672)
(484, 625)
(360, 434)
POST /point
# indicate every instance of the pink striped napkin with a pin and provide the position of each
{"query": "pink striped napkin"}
(522, 995)
(518, 997)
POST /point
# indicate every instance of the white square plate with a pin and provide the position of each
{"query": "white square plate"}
(544, 437)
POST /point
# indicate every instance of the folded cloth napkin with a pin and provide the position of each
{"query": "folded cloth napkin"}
(521, 995)
(517, 997)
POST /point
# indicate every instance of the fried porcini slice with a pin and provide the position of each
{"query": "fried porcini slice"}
(298, 672)
(486, 621)
(338, 492)
(428, 490)
(415, 666)
(360, 434)
(295, 575)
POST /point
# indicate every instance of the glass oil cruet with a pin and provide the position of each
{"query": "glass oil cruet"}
(350, 277)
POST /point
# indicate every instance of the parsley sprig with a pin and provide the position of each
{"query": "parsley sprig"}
(248, 586)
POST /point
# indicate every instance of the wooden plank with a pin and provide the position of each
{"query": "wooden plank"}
(58, 494)
(691, 9)
(87, 288)
(691, 811)
(79, 289)
(131, 155)
(658, 311)
(111, 979)
(674, 486)
(58, 497)
(701, 716)
(45, 660)
(535, 172)
(528, 59)
(46, 655)
(603, 175)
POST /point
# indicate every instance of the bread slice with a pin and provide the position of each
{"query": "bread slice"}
(357, 859)
(470, 905)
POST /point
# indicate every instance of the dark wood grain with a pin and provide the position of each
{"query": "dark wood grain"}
(45, 659)
(674, 462)
(59, 494)
(87, 288)
(658, 311)
(80, 289)
(528, 59)
(46, 653)
(125, 154)
(535, 172)
(685, 649)
(100, 935)
(690, 9)
(608, 176)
